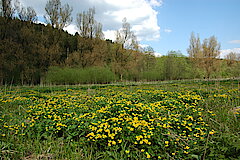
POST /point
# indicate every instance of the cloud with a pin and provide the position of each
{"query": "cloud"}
(72, 29)
(167, 30)
(155, 3)
(227, 51)
(234, 42)
(141, 14)
(110, 34)
(144, 45)
(40, 22)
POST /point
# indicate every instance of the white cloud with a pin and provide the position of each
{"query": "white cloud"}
(40, 22)
(141, 14)
(235, 41)
(227, 51)
(72, 29)
(155, 3)
(110, 34)
(167, 30)
(158, 54)
(144, 45)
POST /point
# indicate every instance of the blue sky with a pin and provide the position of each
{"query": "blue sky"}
(220, 18)
(165, 25)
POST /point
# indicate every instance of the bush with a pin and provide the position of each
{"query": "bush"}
(57, 75)
(153, 75)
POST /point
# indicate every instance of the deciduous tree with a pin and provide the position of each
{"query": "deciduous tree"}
(88, 26)
(204, 55)
(6, 8)
(25, 14)
(57, 15)
(211, 51)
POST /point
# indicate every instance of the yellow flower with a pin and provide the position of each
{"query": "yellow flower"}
(148, 155)
(127, 151)
(142, 150)
(113, 142)
(211, 132)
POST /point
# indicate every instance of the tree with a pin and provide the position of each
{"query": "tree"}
(211, 51)
(88, 26)
(126, 37)
(195, 48)
(232, 67)
(204, 55)
(231, 58)
(149, 58)
(125, 49)
(89, 51)
(175, 66)
(25, 14)
(6, 9)
(56, 15)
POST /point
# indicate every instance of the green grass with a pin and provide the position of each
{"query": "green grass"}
(157, 120)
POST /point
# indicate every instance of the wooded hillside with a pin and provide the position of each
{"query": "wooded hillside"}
(32, 53)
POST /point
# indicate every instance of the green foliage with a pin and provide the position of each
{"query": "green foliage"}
(184, 120)
(57, 75)
(152, 75)
(171, 67)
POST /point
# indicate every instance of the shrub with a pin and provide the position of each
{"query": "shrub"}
(57, 75)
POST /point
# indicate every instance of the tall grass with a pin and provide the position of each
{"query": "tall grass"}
(92, 75)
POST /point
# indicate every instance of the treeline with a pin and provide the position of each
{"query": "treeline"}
(176, 66)
(27, 51)
(33, 53)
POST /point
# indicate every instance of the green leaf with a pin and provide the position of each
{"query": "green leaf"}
(195, 156)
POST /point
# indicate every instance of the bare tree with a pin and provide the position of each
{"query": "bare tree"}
(65, 16)
(231, 58)
(125, 39)
(25, 14)
(98, 31)
(6, 9)
(56, 15)
(211, 51)
(204, 55)
(88, 26)
(195, 48)
(125, 36)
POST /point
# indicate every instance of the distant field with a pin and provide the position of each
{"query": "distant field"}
(170, 120)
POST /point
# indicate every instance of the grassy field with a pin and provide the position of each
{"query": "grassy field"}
(171, 120)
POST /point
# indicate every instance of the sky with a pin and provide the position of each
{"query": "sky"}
(165, 25)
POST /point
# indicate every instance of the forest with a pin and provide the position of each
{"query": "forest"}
(33, 53)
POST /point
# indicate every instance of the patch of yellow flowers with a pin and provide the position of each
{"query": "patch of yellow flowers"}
(151, 122)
